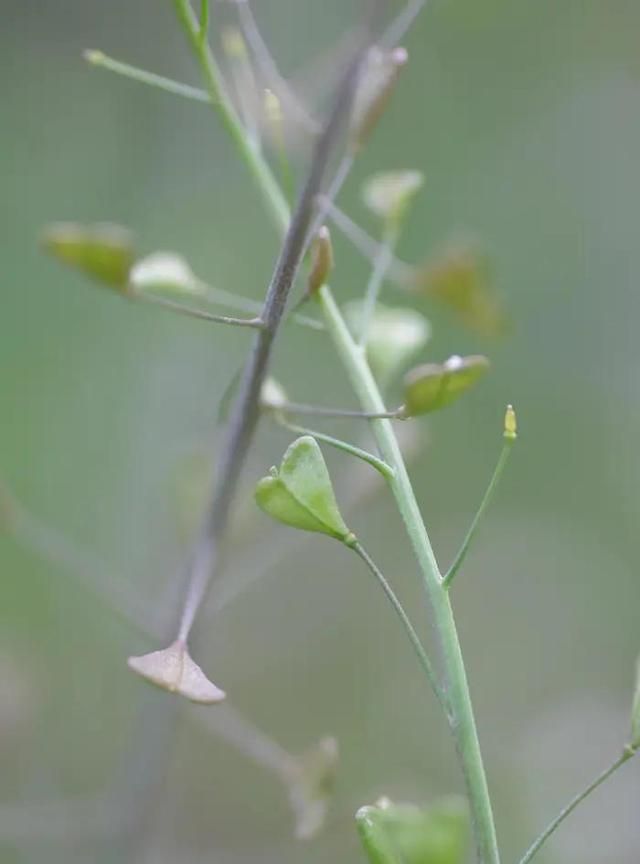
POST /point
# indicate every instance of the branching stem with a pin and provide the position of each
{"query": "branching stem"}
(352, 414)
(97, 58)
(461, 717)
(192, 312)
(381, 264)
(406, 623)
(486, 500)
(379, 464)
(627, 753)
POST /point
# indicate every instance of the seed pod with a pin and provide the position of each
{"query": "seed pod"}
(434, 385)
(388, 194)
(377, 82)
(395, 334)
(406, 834)
(173, 669)
(162, 273)
(300, 492)
(460, 278)
(102, 251)
(321, 261)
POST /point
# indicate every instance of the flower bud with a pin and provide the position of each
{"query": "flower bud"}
(510, 424)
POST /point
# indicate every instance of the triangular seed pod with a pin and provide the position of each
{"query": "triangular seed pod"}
(300, 492)
(173, 669)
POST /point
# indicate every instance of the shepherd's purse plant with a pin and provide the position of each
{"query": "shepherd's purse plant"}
(374, 343)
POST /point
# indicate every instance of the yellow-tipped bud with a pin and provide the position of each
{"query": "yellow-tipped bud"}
(510, 424)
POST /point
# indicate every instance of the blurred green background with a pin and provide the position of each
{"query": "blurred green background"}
(525, 118)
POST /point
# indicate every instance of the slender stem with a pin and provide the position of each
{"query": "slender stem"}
(275, 124)
(381, 264)
(245, 304)
(244, 84)
(406, 623)
(461, 716)
(400, 272)
(321, 411)
(55, 548)
(274, 198)
(399, 26)
(269, 69)
(535, 847)
(232, 726)
(379, 464)
(191, 312)
(204, 19)
(486, 500)
(324, 201)
(97, 58)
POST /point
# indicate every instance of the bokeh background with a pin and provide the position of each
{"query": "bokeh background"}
(525, 118)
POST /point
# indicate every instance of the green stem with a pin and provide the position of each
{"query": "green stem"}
(406, 623)
(627, 754)
(192, 312)
(488, 495)
(381, 263)
(97, 58)
(276, 201)
(461, 718)
(354, 414)
(379, 464)
(220, 297)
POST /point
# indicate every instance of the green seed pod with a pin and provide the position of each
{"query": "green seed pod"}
(102, 251)
(377, 82)
(300, 493)
(395, 334)
(405, 834)
(460, 278)
(434, 385)
(321, 261)
(388, 194)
